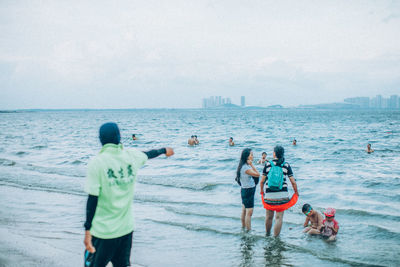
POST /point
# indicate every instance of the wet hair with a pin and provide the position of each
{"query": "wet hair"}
(264, 153)
(231, 138)
(192, 136)
(133, 135)
(306, 207)
(243, 160)
(279, 153)
(195, 136)
(109, 133)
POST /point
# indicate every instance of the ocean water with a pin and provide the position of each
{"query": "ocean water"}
(187, 207)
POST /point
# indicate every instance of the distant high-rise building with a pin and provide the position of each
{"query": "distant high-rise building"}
(215, 101)
(393, 101)
(242, 101)
(378, 101)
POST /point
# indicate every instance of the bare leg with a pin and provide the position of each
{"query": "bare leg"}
(249, 213)
(332, 238)
(278, 223)
(307, 229)
(314, 231)
(242, 217)
(268, 221)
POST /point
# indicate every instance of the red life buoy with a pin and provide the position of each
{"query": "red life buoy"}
(282, 207)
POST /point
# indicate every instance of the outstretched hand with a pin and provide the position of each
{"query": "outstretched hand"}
(88, 242)
(169, 151)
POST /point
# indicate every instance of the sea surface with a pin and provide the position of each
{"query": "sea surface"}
(187, 207)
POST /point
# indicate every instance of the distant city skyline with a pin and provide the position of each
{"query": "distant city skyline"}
(377, 102)
(170, 54)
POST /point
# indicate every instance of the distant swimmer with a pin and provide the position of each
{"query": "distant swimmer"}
(231, 143)
(369, 149)
(313, 222)
(294, 142)
(245, 176)
(193, 140)
(134, 137)
(263, 158)
(330, 226)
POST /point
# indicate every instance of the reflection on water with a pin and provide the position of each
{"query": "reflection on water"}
(273, 252)
(246, 248)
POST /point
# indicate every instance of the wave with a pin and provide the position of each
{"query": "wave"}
(7, 162)
(44, 188)
(39, 147)
(378, 231)
(77, 162)
(158, 200)
(192, 187)
(53, 170)
(21, 153)
(363, 213)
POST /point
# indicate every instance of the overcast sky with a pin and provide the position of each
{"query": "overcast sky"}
(171, 54)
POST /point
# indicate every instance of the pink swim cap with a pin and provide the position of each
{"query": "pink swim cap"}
(330, 212)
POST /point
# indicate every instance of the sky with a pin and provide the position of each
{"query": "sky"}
(171, 54)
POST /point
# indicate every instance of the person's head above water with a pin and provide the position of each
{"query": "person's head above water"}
(264, 154)
(109, 134)
(231, 139)
(306, 209)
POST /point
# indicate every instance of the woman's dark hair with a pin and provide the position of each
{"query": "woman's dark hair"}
(279, 153)
(306, 207)
(243, 160)
(264, 153)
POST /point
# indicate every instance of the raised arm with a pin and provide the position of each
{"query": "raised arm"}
(253, 171)
(157, 152)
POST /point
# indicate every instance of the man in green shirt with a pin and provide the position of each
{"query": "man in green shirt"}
(110, 185)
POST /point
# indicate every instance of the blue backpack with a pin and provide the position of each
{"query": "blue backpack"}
(275, 177)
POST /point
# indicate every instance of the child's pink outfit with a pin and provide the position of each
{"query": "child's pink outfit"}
(327, 231)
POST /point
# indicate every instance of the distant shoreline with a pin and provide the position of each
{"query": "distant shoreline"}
(305, 107)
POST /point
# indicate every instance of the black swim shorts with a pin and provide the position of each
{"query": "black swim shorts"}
(248, 197)
(116, 250)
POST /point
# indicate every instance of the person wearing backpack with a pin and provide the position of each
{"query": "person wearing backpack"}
(247, 176)
(276, 191)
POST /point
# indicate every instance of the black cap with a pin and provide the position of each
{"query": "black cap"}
(109, 133)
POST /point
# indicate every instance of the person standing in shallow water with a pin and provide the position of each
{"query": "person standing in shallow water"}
(244, 176)
(110, 184)
(274, 196)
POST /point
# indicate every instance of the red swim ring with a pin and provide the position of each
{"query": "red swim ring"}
(282, 207)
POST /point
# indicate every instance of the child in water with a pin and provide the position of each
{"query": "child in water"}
(330, 226)
(313, 217)
(263, 158)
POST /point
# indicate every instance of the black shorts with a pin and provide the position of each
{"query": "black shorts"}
(117, 250)
(248, 197)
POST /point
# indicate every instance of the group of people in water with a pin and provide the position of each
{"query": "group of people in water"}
(112, 174)
(275, 196)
